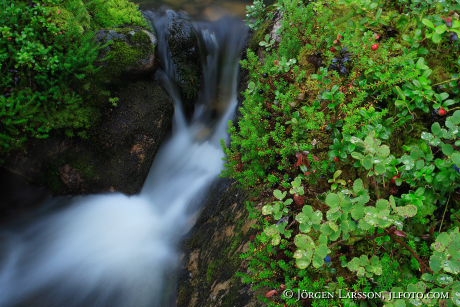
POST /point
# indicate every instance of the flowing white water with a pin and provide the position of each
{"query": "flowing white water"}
(115, 250)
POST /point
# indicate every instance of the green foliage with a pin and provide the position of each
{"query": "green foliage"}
(255, 15)
(113, 13)
(47, 56)
(359, 103)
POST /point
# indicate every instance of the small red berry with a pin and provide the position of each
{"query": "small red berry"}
(375, 47)
(395, 177)
(442, 111)
(336, 159)
(377, 36)
(448, 21)
(333, 49)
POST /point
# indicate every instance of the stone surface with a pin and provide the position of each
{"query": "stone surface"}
(179, 45)
(212, 252)
(129, 50)
(116, 157)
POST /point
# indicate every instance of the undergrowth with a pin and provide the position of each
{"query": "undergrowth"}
(49, 81)
(348, 138)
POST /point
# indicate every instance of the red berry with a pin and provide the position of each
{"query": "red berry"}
(336, 159)
(375, 47)
(333, 49)
(442, 111)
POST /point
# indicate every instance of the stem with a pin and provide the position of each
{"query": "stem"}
(424, 267)
(456, 108)
(444, 213)
(446, 81)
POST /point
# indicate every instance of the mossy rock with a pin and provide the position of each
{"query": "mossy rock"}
(184, 45)
(129, 51)
(116, 156)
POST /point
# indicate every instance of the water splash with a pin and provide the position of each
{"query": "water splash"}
(115, 250)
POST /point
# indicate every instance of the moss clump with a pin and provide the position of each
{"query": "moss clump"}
(129, 50)
(113, 13)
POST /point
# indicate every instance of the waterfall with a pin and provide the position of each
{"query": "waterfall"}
(117, 250)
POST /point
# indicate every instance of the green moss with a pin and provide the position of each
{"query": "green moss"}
(211, 272)
(126, 52)
(114, 13)
(54, 85)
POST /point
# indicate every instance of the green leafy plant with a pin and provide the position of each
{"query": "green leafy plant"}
(47, 60)
(351, 122)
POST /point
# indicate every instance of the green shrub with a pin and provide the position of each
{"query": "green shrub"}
(47, 56)
(348, 136)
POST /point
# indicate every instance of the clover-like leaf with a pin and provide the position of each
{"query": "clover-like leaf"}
(267, 209)
(307, 218)
(279, 195)
(303, 258)
(406, 211)
(303, 241)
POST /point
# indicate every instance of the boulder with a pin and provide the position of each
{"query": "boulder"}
(117, 155)
(128, 51)
(179, 47)
(212, 252)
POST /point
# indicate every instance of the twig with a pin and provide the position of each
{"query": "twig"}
(445, 81)
(424, 267)
(444, 213)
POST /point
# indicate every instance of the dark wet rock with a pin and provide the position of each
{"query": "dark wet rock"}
(184, 45)
(117, 155)
(129, 51)
(17, 195)
(212, 252)
(180, 44)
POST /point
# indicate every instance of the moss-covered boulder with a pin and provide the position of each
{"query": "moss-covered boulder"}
(117, 154)
(129, 50)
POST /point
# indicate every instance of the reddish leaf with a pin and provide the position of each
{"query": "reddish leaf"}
(299, 199)
(400, 233)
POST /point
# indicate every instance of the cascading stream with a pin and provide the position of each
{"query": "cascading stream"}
(117, 250)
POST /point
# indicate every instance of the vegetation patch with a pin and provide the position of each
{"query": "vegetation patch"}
(47, 54)
(349, 136)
